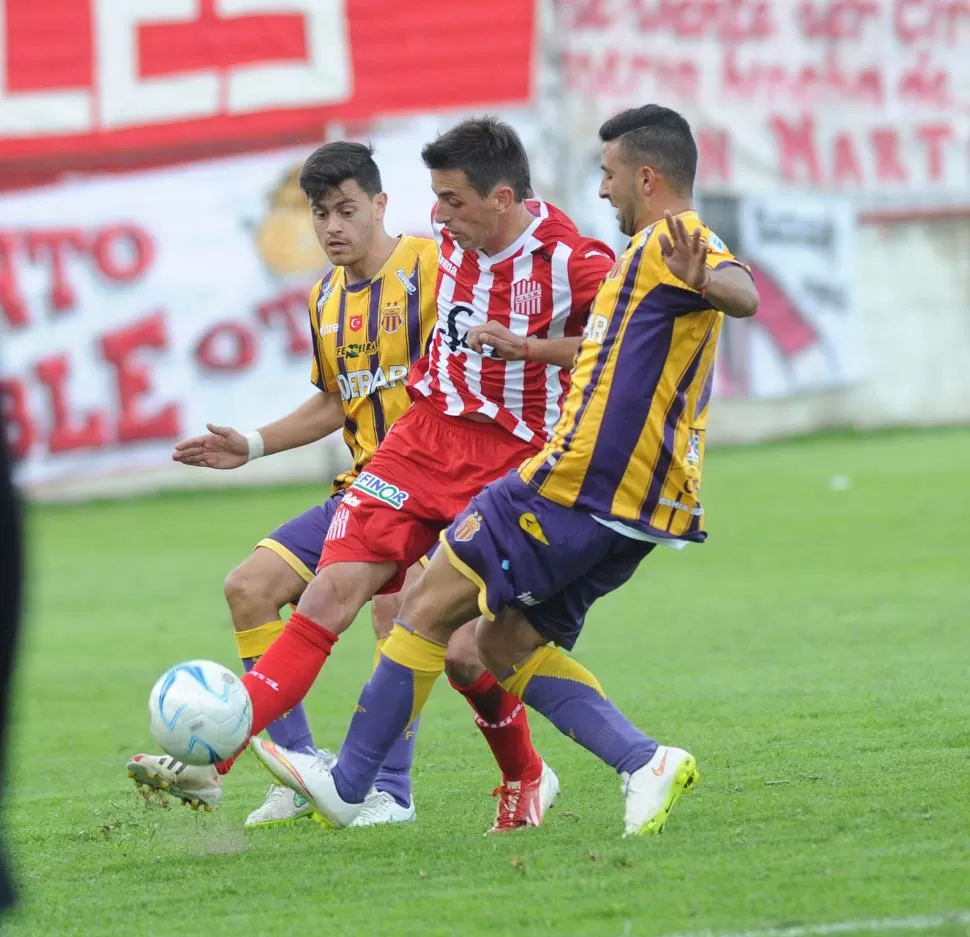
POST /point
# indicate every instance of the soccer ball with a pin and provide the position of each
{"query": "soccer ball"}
(200, 712)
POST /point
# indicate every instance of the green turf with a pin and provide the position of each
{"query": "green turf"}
(813, 656)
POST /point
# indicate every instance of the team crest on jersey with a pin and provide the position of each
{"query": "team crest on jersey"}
(526, 298)
(392, 317)
(467, 527)
(356, 323)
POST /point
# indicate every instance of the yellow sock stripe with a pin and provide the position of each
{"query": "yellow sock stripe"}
(424, 658)
(290, 558)
(256, 641)
(377, 651)
(549, 662)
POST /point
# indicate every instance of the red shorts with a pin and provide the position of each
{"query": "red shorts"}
(427, 469)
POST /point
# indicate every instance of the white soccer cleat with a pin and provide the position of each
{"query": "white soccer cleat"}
(195, 785)
(380, 807)
(652, 791)
(281, 806)
(310, 776)
(524, 803)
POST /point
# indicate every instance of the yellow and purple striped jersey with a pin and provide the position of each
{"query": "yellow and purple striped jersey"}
(629, 445)
(366, 337)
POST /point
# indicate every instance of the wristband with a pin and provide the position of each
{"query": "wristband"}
(257, 447)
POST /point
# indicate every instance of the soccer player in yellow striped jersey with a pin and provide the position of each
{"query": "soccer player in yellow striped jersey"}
(621, 474)
(370, 318)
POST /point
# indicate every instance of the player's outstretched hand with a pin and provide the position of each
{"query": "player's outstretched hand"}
(504, 344)
(222, 448)
(685, 254)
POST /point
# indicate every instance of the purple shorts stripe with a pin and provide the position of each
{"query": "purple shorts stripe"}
(303, 535)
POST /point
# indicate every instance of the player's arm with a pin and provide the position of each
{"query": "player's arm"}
(492, 337)
(226, 448)
(728, 288)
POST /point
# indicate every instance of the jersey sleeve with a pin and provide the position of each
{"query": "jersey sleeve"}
(428, 286)
(589, 264)
(320, 376)
(718, 254)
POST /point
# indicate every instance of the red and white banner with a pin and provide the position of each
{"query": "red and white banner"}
(82, 81)
(135, 308)
(852, 95)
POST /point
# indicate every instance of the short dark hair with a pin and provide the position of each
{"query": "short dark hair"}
(657, 136)
(332, 164)
(487, 150)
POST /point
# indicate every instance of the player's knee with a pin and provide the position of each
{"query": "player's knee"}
(331, 601)
(242, 590)
(462, 663)
(490, 647)
(383, 611)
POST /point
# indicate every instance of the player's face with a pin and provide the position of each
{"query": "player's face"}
(620, 187)
(345, 220)
(470, 219)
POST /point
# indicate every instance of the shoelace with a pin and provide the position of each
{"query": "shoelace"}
(508, 804)
(373, 808)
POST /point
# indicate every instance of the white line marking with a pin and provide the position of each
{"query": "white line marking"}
(877, 925)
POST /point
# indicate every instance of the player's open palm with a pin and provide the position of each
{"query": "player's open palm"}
(685, 254)
(221, 448)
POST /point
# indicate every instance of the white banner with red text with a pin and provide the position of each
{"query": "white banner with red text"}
(867, 97)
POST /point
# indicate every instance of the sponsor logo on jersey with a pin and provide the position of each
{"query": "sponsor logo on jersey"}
(596, 327)
(446, 265)
(350, 500)
(381, 490)
(526, 298)
(356, 384)
(530, 524)
(405, 282)
(693, 455)
(467, 527)
(356, 323)
(392, 317)
(356, 349)
(329, 329)
(325, 294)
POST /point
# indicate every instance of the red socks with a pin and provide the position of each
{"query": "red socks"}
(285, 673)
(503, 721)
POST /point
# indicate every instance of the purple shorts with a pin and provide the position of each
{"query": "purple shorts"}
(549, 562)
(299, 542)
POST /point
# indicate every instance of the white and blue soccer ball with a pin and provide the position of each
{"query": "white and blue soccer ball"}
(200, 712)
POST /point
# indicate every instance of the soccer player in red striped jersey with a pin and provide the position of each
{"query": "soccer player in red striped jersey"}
(620, 476)
(505, 258)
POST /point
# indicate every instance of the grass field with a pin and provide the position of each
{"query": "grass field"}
(813, 656)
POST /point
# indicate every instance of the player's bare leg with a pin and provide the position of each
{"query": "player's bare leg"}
(652, 776)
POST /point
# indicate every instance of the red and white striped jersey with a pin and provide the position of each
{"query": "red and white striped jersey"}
(541, 286)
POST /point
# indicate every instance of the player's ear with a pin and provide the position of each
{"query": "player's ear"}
(380, 205)
(646, 179)
(504, 197)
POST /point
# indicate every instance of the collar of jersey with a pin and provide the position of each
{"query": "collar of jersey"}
(363, 284)
(488, 260)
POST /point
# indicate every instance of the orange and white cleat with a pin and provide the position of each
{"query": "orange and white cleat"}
(524, 803)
